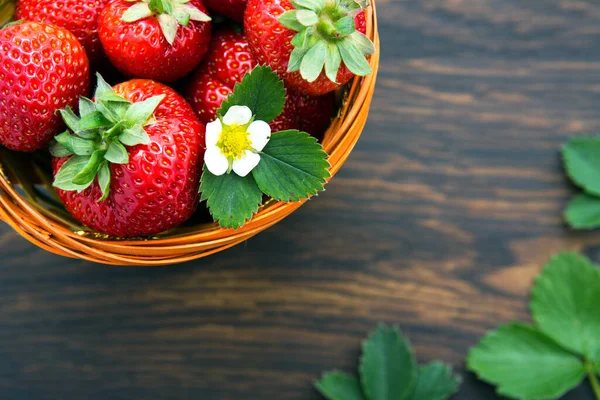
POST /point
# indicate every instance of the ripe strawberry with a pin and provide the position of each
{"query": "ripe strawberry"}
(226, 63)
(131, 165)
(42, 68)
(315, 46)
(155, 39)
(233, 9)
(79, 17)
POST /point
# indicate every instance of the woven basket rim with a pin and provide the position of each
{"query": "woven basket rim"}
(48, 232)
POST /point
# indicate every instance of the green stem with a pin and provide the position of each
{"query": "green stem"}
(589, 367)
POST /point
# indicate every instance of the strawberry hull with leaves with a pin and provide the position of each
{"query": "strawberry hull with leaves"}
(131, 164)
(228, 60)
(316, 46)
(42, 68)
(161, 40)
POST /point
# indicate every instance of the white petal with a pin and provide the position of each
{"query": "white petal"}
(260, 134)
(244, 165)
(213, 132)
(237, 115)
(215, 161)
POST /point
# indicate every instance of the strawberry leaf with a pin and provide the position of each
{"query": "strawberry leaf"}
(388, 369)
(583, 212)
(525, 363)
(435, 382)
(231, 199)
(104, 180)
(262, 91)
(581, 157)
(64, 178)
(338, 385)
(87, 174)
(293, 166)
(139, 113)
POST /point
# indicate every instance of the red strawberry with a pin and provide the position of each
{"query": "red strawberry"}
(42, 68)
(226, 63)
(155, 39)
(315, 48)
(131, 165)
(79, 17)
(233, 9)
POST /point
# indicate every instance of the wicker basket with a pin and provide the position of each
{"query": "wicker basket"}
(29, 205)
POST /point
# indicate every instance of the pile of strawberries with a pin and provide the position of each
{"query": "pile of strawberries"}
(135, 151)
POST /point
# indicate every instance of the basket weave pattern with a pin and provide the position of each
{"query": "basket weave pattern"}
(51, 230)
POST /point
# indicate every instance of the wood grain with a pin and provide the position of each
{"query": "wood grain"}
(447, 208)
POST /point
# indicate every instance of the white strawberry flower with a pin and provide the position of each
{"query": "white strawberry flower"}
(234, 143)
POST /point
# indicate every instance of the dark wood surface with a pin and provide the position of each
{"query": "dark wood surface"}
(438, 222)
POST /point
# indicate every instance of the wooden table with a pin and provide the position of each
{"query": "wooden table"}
(446, 210)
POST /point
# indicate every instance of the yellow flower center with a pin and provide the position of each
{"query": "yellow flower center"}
(234, 141)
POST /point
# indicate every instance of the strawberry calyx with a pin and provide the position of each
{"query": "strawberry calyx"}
(170, 14)
(99, 136)
(327, 36)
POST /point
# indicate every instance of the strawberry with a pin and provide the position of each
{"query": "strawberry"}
(131, 165)
(79, 17)
(233, 9)
(155, 39)
(42, 68)
(226, 63)
(315, 46)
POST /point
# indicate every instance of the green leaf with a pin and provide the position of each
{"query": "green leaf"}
(387, 368)
(313, 62)
(289, 19)
(117, 153)
(104, 92)
(64, 178)
(192, 12)
(134, 136)
(363, 43)
(71, 120)
(169, 26)
(231, 199)
(262, 91)
(345, 26)
(104, 180)
(581, 157)
(337, 385)
(86, 106)
(565, 303)
(75, 145)
(136, 12)
(583, 212)
(525, 364)
(58, 150)
(292, 167)
(139, 113)
(333, 60)
(307, 17)
(296, 59)
(435, 382)
(353, 58)
(93, 120)
(314, 5)
(87, 174)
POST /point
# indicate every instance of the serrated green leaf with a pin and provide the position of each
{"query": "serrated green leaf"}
(525, 364)
(104, 180)
(86, 176)
(583, 212)
(289, 20)
(231, 199)
(387, 369)
(338, 385)
(353, 58)
(565, 303)
(134, 136)
(93, 120)
(435, 381)
(262, 91)
(313, 62)
(64, 178)
(292, 166)
(86, 106)
(117, 153)
(581, 157)
(139, 113)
